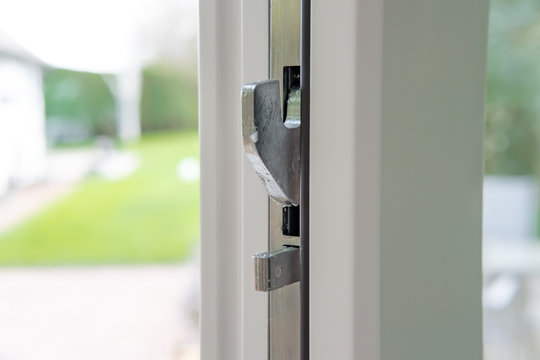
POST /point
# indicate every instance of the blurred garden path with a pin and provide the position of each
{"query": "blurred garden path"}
(65, 169)
(22, 204)
(146, 312)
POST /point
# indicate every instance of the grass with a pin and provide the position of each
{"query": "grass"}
(152, 216)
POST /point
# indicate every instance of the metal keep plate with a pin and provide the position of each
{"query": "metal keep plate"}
(271, 137)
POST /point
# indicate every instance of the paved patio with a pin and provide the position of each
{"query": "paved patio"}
(90, 313)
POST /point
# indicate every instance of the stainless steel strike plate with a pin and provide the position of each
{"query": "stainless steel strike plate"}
(271, 132)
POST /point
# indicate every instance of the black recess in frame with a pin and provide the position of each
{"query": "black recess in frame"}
(305, 72)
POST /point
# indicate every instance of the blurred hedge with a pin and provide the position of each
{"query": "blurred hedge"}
(169, 98)
(78, 105)
(512, 140)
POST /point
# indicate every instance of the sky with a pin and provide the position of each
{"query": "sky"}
(97, 35)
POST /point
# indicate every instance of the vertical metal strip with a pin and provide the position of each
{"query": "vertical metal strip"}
(269, 242)
(284, 303)
(305, 73)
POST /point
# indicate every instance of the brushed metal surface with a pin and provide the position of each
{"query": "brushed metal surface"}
(284, 37)
(272, 148)
(276, 269)
(284, 303)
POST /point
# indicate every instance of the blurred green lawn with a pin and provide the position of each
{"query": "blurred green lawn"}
(152, 216)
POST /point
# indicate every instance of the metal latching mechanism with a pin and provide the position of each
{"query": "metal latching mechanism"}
(273, 147)
(275, 135)
(272, 144)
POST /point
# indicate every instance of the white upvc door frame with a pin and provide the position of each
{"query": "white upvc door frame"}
(396, 174)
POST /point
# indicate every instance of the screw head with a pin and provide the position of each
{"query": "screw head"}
(278, 271)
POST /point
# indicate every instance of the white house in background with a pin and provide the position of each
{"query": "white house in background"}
(22, 116)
